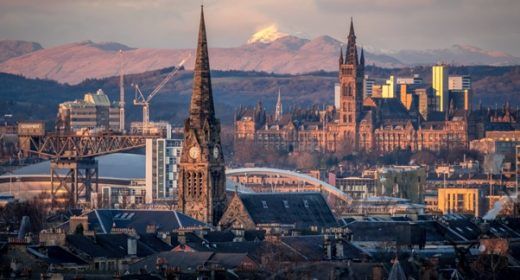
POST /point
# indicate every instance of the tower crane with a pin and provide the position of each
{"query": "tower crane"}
(141, 100)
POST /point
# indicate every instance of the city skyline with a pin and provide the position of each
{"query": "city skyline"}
(383, 22)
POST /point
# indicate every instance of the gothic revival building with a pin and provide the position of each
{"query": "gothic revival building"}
(201, 183)
(357, 123)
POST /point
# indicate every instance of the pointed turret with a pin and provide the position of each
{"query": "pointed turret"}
(341, 61)
(201, 107)
(279, 109)
(351, 57)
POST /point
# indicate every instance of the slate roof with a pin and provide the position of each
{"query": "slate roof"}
(55, 255)
(500, 229)
(381, 231)
(102, 220)
(186, 261)
(311, 247)
(236, 247)
(302, 209)
(228, 236)
(391, 109)
(228, 260)
(189, 261)
(464, 228)
(115, 245)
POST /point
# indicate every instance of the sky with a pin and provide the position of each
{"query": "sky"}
(380, 24)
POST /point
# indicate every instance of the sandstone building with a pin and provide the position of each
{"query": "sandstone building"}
(201, 181)
(357, 123)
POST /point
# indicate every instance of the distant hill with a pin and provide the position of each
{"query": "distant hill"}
(456, 54)
(14, 48)
(38, 99)
(75, 62)
(268, 50)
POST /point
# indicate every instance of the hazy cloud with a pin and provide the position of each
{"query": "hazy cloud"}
(385, 24)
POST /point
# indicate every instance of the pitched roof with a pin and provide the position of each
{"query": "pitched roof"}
(55, 255)
(115, 245)
(302, 209)
(189, 261)
(186, 261)
(102, 220)
(380, 231)
(311, 247)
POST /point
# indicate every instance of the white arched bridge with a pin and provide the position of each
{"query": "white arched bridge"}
(319, 184)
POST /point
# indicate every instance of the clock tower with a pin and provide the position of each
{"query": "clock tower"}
(202, 179)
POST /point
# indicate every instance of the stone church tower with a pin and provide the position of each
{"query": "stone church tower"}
(202, 180)
(351, 74)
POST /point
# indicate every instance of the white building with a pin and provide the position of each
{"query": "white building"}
(368, 85)
(459, 82)
(162, 156)
(93, 112)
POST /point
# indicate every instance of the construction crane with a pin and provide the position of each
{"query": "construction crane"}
(121, 93)
(141, 100)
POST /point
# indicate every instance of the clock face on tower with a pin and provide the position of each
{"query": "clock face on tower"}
(194, 152)
(215, 152)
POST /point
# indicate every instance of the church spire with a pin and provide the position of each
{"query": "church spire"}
(201, 107)
(351, 57)
(279, 109)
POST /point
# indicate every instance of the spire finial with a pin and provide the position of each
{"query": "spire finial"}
(201, 106)
(351, 55)
(351, 27)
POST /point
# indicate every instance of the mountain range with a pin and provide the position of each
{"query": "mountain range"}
(268, 52)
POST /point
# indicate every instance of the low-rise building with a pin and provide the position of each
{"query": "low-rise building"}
(357, 187)
(93, 112)
(462, 200)
(278, 212)
(504, 146)
(400, 181)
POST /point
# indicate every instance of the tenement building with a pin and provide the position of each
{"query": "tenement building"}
(358, 123)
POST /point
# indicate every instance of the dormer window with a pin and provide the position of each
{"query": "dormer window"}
(305, 203)
(264, 204)
(286, 204)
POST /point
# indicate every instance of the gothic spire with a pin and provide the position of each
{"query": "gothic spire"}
(351, 57)
(362, 58)
(351, 32)
(201, 107)
(279, 108)
(341, 55)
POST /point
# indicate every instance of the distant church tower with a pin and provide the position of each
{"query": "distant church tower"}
(351, 74)
(202, 180)
(279, 109)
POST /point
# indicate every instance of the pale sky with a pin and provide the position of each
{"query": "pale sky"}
(380, 24)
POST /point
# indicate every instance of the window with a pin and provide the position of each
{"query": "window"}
(264, 204)
(305, 203)
(286, 204)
